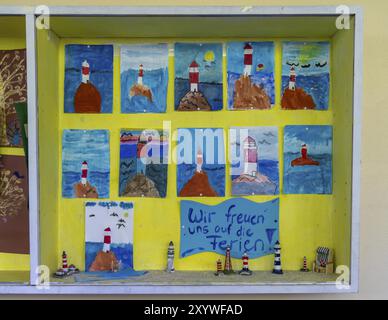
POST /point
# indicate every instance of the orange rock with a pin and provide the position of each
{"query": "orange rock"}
(85, 191)
(104, 261)
(87, 99)
(304, 162)
(297, 99)
(141, 90)
(248, 95)
(198, 186)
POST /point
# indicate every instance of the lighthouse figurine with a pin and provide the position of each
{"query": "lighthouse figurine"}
(140, 76)
(170, 257)
(292, 81)
(107, 240)
(194, 76)
(245, 269)
(277, 264)
(65, 268)
(304, 268)
(219, 267)
(84, 173)
(228, 269)
(248, 51)
(199, 160)
(250, 156)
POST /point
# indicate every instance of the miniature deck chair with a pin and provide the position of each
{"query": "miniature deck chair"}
(324, 260)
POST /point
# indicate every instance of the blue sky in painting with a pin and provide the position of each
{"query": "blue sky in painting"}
(151, 56)
(185, 53)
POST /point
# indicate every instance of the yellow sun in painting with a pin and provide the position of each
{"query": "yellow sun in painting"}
(125, 214)
(209, 56)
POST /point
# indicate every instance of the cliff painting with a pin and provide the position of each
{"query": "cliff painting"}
(144, 78)
(14, 234)
(143, 163)
(250, 72)
(198, 76)
(307, 160)
(13, 89)
(200, 162)
(254, 160)
(85, 163)
(88, 78)
(305, 75)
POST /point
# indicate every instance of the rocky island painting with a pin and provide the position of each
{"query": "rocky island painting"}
(198, 76)
(307, 159)
(144, 78)
(254, 160)
(88, 78)
(305, 75)
(85, 164)
(250, 72)
(143, 163)
(200, 162)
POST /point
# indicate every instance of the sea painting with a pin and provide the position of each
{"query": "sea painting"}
(307, 159)
(143, 163)
(254, 160)
(109, 236)
(305, 75)
(200, 162)
(198, 76)
(144, 78)
(13, 89)
(250, 70)
(88, 78)
(85, 164)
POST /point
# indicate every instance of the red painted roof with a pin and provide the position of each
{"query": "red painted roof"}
(107, 229)
(250, 139)
(194, 64)
(247, 46)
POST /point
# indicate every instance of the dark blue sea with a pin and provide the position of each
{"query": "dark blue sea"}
(215, 173)
(123, 252)
(317, 86)
(307, 179)
(96, 179)
(156, 80)
(211, 91)
(265, 80)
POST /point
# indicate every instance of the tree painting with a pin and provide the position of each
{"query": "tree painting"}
(13, 89)
(12, 196)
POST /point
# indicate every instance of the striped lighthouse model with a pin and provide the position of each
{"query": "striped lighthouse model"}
(65, 267)
(292, 81)
(277, 265)
(219, 267)
(193, 76)
(250, 156)
(248, 52)
(245, 269)
(170, 257)
(228, 269)
(304, 268)
(107, 240)
(84, 173)
(140, 75)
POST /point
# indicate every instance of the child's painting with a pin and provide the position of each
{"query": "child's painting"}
(85, 164)
(201, 162)
(14, 235)
(254, 160)
(88, 78)
(143, 163)
(250, 75)
(305, 75)
(108, 236)
(307, 160)
(13, 89)
(198, 76)
(144, 78)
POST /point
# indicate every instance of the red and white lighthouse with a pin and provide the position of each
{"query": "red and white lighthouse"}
(250, 156)
(107, 240)
(65, 267)
(85, 72)
(193, 76)
(248, 52)
(303, 151)
(140, 76)
(84, 172)
(292, 81)
(199, 160)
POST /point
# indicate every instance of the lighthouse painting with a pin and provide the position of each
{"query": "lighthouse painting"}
(307, 159)
(88, 78)
(143, 163)
(200, 162)
(305, 75)
(198, 76)
(109, 236)
(254, 160)
(144, 78)
(250, 72)
(85, 164)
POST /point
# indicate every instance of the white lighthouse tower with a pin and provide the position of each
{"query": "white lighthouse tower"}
(140, 76)
(84, 172)
(193, 76)
(292, 81)
(248, 51)
(107, 240)
(85, 72)
(199, 160)
(250, 156)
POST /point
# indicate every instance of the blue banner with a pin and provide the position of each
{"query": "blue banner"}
(244, 225)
